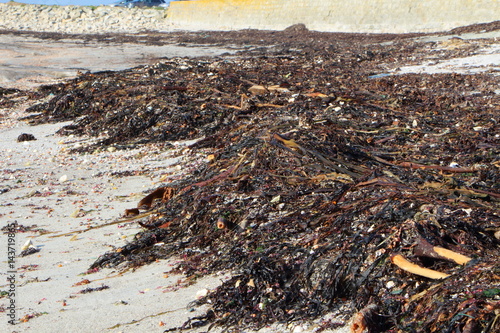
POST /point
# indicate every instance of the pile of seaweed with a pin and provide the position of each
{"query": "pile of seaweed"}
(322, 181)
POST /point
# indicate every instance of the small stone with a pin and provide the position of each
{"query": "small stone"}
(298, 329)
(201, 293)
(75, 213)
(276, 199)
(26, 137)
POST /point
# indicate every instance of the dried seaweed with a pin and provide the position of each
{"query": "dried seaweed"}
(91, 290)
(29, 251)
(311, 188)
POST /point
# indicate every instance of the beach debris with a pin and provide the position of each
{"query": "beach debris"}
(326, 182)
(28, 248)
(25, 137)
(366, 320)
(8, 91)
(27, 245)
(259, 90)
(20, 228)
(26, 268)
(425, 249)
(75, 213)
(405, 265)
(223, 223)
(28, 317)
(163, 193)
(91, 290)
(132, 212)
(83, 282)
(202, 293)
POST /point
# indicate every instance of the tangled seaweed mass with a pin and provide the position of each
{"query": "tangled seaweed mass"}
(326, 188)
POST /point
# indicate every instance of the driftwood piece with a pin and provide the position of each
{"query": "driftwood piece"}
(411, 165)
(383, 181)
(410, 267)
(364, 320)
(425, 249)
(163, 193)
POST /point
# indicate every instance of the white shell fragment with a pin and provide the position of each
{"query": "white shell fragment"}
(201, 293)
(27, 245)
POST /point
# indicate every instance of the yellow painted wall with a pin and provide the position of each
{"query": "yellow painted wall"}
(332, 15)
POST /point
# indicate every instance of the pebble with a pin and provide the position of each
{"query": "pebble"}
(298, 329)
(201, 293)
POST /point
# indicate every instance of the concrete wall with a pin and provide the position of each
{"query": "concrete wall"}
(384, 16)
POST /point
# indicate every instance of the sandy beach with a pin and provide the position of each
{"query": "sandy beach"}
(47, 191)
(50, 192)
(61, 203)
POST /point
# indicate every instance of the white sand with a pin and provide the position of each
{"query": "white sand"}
(33, 171)
(485, 59)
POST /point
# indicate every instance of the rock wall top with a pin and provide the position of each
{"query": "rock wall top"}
(80, 19)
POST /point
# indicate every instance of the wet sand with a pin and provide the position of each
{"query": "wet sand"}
(37, 59)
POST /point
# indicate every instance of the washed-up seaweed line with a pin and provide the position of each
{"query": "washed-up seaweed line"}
(327, 280)
(317, 191)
